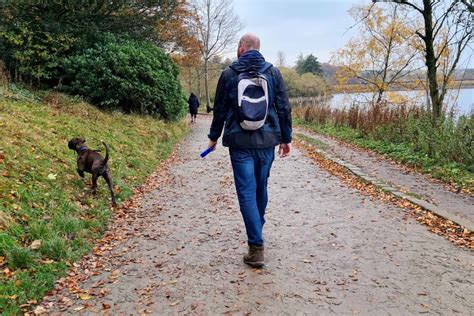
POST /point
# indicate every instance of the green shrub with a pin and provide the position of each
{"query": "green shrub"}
(130, 75)
(55, 248)
(66, 224)
(39, 230)
(34, 55)
(20, 258)
(6, 243)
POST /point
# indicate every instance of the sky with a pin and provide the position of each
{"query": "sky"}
(317, 27)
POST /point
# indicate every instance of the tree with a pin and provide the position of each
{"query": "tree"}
(382, 54)
(84, 17)
(308, 64)
(305, 85)
(35, 36)
(469, 5)
(176, 35)
(216, 27)
(281, 59)
(445, 32)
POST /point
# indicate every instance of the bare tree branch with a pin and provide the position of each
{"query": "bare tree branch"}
(217, 27)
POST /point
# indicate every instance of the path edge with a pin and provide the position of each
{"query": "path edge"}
(384, 186)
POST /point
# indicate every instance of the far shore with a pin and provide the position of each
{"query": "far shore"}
(408, 86)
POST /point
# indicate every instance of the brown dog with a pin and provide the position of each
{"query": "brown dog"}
(91, 161)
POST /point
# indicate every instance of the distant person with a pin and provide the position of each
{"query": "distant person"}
(193, 103)
(251, 100)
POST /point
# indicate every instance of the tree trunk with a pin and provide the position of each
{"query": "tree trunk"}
(206, 82)
(436, 102)
(379, 97)
(190, 80)
(198, 82)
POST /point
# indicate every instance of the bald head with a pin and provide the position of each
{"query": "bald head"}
(248, 42)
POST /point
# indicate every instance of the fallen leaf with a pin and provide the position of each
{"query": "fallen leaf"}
(175, 303)
(105, 306)
(84, 296)
(39, 310)
(52, 176)
(35, 244)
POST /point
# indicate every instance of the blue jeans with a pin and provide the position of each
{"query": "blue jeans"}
(251, 171)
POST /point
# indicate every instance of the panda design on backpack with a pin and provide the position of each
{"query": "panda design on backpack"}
(253, 99)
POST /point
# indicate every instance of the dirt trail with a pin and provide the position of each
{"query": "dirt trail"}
(374, 165)
(330, 250)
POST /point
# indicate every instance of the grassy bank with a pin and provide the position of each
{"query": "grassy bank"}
(48, 218)
(444, 153)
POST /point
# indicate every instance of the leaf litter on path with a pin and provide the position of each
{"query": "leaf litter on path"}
(436, 224)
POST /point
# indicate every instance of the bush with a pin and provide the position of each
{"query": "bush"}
(20, 258)
(130, 75)
(305, 85)
(55, 248)
(6, 244)
(32, 55)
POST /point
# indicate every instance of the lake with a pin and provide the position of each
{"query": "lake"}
(461, 100)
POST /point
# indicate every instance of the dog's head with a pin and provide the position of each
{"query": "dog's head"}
(76, 143)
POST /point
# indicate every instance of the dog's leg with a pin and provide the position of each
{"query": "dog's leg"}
(108, 179)
(94, 183)
(80, 172)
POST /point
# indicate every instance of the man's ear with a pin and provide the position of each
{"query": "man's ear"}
(239, 50)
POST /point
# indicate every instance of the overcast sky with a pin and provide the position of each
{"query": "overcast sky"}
(319, 27)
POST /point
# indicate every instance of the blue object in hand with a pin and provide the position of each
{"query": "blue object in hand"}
(207, 151)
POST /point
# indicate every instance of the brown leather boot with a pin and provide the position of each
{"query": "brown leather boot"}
(255, 256)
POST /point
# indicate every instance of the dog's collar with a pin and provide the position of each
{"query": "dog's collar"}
(81, 149)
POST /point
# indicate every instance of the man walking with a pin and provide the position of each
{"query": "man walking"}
(251, 100)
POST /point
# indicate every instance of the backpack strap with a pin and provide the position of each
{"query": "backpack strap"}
(265, 67)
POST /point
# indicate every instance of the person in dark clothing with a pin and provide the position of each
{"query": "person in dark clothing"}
(193, 103)
(252, 151)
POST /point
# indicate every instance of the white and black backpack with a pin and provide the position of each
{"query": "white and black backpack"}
(253, 98)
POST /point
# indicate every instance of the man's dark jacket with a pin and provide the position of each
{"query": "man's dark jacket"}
(277, 127)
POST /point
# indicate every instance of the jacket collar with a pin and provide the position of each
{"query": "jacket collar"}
(251, 60)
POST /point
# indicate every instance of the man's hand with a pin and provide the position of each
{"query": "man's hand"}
(212, 144)
(284, 150)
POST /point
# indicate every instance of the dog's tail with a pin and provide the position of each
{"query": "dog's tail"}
(106, 159)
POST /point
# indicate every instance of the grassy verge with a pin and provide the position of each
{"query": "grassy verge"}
(452, 172)
(48, 218)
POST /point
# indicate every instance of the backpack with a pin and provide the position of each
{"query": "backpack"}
(253, 98)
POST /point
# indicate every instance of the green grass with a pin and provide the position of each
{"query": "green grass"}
(41, 196)
(449, 172)
(314, 142)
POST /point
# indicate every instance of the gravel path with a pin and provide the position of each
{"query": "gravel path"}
(330, 250)
(374, 165)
